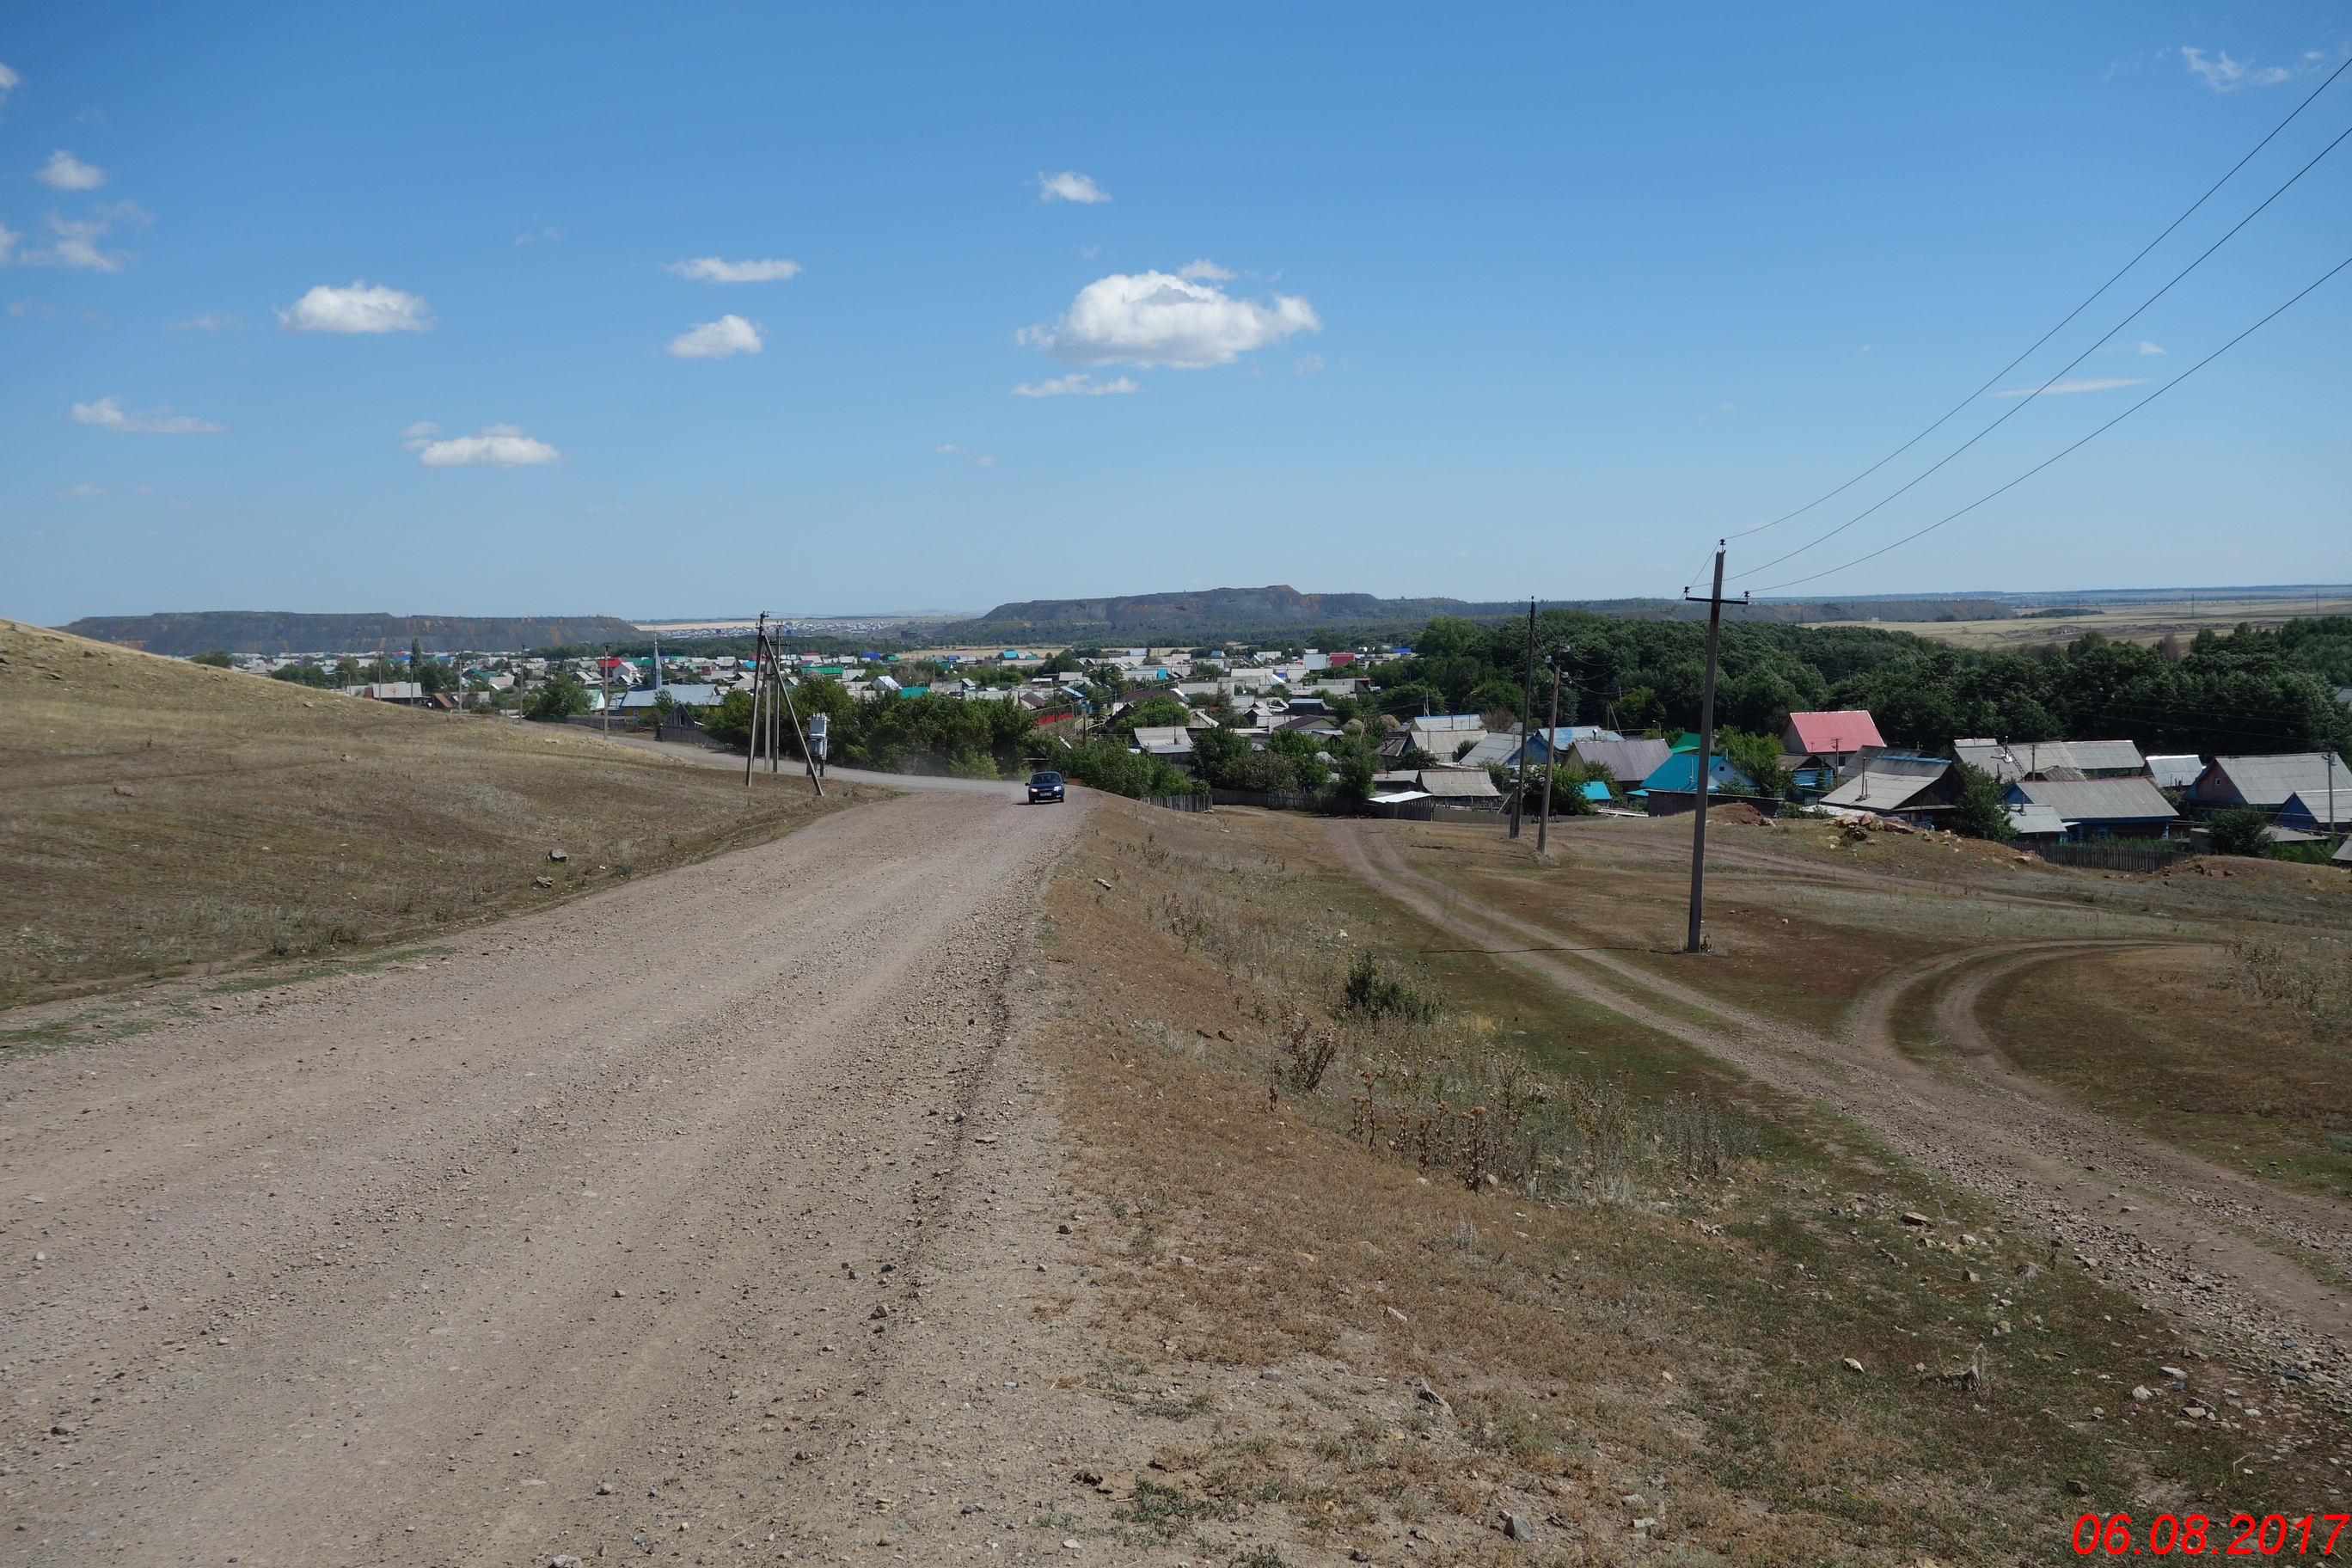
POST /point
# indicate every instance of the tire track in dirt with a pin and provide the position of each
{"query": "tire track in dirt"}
(2049, 1162)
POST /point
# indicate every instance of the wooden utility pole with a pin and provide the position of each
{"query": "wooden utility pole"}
(1706, 759)
(1527, 703)
(1551, 749)
(759, 688)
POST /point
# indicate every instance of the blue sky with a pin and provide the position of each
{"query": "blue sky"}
(1396, 300)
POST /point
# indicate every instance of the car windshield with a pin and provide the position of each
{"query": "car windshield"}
(1046, 778)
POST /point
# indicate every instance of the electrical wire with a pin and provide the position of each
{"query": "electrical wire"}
(2070, 315)
(2063, 451)
(2019, 405)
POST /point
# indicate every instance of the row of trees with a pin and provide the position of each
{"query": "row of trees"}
(2248, 690)
(433, 675)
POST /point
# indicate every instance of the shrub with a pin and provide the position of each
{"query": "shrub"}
(559, 697)
(2239, 831)
(1376, 992)
(218, 657)
(1979, 813)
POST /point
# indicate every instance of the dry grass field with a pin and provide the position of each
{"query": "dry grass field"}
(157, 814)
(1807, 927)
(1669, 1307)
(2146, 621)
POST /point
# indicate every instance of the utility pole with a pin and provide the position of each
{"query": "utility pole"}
(1706, 759)
(759, 688)
(1552, 749)
(1526, 701)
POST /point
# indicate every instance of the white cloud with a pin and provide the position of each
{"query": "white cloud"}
(1069, 185)
(2107, 384)
(717, 340)
(107, 413)
(711, 270)
(1308, 365)
(1205, 270)
(2148, 348)
(983, 462)
(2223, 74)
(74, 241)
(1158, 318)
(417, 436)
(947, 447)
(1079, 385)
(497, 446)
(8, 80)
(210, 321)
(83, 492)
(64, 171)
(358, 308)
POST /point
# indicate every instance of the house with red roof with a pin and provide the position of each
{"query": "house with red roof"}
(1832, 736)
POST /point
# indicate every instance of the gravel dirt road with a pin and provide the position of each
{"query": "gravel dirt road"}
(2229, 1253)
(659, 1224)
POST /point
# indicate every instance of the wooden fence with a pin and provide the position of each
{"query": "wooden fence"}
(2114, 857)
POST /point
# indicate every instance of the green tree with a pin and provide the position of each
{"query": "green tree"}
(558, 698)
(2239, 831)
(218, 657)
(1979, 812)
(730, 718)
(1153, 713)
(1758, 756)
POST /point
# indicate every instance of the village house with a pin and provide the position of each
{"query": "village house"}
(1832, 736)
(1629, 762)
(2264, 783)
(2099, 808)
(1443, 734)
(1921, 790)
(1670, 789)
(2060, 760)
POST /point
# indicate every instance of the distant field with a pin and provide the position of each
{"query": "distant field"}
(156, 815)
(2144, 622)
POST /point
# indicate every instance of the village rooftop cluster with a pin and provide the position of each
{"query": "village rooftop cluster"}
(1831, 763)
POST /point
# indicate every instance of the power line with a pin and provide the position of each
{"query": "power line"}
(2102, 430)
(2070, 315)
(2070, 364)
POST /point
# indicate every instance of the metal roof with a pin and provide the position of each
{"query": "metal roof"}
(1887, 782)
(2096, 799)
(1628, 761)
(1834, 732)
(2033, 821)
(2175, 772)
(1458, 782)
(1447, 721)
(1679, 769)
(2052, 759)
(2267, 782)
(2306, 808)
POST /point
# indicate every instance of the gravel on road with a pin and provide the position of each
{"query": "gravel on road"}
(634, 1224)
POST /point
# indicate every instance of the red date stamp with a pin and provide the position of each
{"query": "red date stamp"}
(2244, 1535)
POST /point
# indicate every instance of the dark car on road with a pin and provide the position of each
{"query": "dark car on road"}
(1045, 786)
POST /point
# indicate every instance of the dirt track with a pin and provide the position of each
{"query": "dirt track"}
(402, 1269)
(2184, 1240)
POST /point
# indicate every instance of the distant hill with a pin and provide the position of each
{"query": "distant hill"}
(273, 631)
(1240, 614)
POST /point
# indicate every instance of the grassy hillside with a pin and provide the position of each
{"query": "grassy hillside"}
(156, 815)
